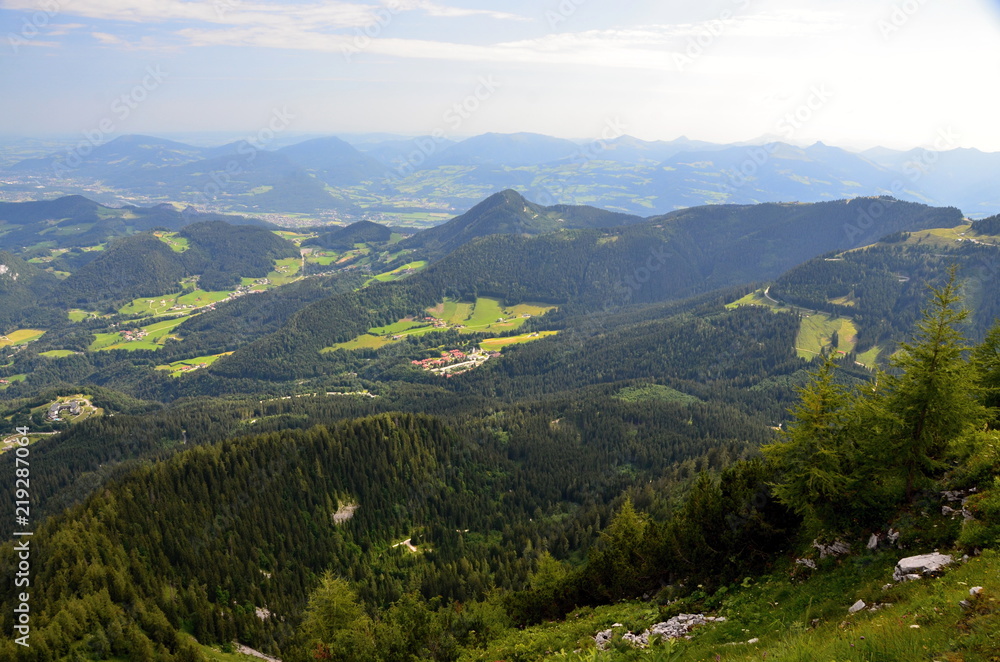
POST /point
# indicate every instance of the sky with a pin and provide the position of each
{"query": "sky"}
(852, 73)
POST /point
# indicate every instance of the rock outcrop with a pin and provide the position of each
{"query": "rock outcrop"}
(915, 567)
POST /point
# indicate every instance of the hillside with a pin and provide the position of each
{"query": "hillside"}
(75, 221)
(508, 212)
(361, 232)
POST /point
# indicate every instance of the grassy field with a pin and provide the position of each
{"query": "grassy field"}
(20, 337)
(366, 341)
(161, 305)
(401, 272)
(158, 334)
(12, 379)
(816, 332)
(402, 325)
(78, 315)
(476, 317)
(870, 357)
(285, 271)
(757, 298)
(494, 344)
(295, 237)
(58, 353)
(322, 258)
(484, 313)
(178, 368)
(177, 243)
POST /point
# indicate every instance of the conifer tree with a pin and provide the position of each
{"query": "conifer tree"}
(810, 459)
(933, 399)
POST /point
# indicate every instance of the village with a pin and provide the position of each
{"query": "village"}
(455, 361)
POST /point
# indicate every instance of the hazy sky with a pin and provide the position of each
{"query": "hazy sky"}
(850, 72)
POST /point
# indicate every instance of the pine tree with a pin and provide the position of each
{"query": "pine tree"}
(810, 459)
(934, 399)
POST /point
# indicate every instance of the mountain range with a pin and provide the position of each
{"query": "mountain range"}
(622, 174)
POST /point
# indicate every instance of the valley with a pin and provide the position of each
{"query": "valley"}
(534, 398)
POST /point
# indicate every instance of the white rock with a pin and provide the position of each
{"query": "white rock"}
(753, 641)
(975, 590)
(925, 564)
(836, 548)
(856, 607)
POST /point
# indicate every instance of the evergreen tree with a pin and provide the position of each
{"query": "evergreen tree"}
(811, 459)
(933, 399)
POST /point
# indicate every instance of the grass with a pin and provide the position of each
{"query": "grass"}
(322, 258)
(58, 353)
(816, 332)
(757, 298)
(798, 621)
(401, 272)
(12, 379)
(154, 306)
(366, 341)
(20, 337)
(499, 343)
(157, 336)
(477, 317)
(177, 243)
(402, 325)
(870, 357)
(285, 271)
(78, 315)
(178, 368)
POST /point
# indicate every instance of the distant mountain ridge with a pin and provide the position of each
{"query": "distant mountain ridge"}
(74, 221)
(619, 173)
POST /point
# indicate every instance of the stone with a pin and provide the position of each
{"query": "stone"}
(809, 563)
(836, 548)
(856, 607)
(975, 591)
(924, 564)
(676, 628)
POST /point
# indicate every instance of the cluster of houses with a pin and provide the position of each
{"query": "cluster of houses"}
(189, 368)
(4, 382)
(57, 408)
(455, 361)
(130, 335)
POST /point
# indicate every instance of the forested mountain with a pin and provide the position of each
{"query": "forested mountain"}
(508, 212)
(122, 155)
(355, 233)
(334, 162)
(22, 287)
(74, 221)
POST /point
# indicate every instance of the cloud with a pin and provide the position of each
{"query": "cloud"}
(108, 39)
(435, 9)
(309, 15)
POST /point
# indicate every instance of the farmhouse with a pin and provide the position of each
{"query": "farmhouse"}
(57, 408)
